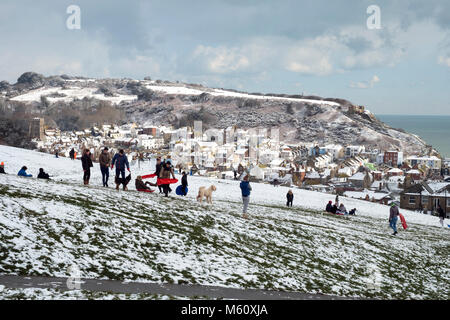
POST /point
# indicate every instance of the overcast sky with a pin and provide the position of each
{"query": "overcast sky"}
(304, 46)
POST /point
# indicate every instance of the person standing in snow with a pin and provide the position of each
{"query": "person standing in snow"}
(393, 217)
(184, 183)
(86, 163)
(441, 213)
(23, 172)
(290, 198)
(166, 172)
(158, 171)
(72, 154)
(245, 190)
(121, 161)
(2, 168)
(105, 161)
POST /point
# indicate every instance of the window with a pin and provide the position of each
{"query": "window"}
(424, 199)
(448, 202)
(412, 200)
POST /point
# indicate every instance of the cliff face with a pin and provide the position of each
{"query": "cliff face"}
(299, 118)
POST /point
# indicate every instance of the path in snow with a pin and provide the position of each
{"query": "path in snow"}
(114, 286)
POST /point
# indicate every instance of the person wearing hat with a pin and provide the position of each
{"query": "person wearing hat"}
(245, 189)
(393, 217)
(105, 161)
(2, 168)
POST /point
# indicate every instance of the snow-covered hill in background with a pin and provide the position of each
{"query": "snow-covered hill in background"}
(47, 226)
(299, 118)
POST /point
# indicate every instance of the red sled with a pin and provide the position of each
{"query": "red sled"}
(403, 220)
(145, 190)
(149, 176)
(166, 181)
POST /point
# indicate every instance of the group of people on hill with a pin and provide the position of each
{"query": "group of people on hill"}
(119, 160)
(337, 208)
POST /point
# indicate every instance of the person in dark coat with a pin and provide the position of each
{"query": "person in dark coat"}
(334, 208)
(290, 198)
(72, 154)
(441, 214)
(23, 172)
(43, 175)
(352, 212)
(184, 183)
(158, 171)
(141, 186)
(329, 206)
(2, 168)
(86, 163)
(121, 161)
(105, 162)
(246, 189)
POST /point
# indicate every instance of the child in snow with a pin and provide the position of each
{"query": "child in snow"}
(184, 183)
(290, 198)
(352, 212)
(141, 186)
(23, 172)
(2, 168)
(441, 213)
(43, 175)
(342, 209)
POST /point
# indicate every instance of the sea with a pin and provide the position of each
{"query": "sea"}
(435, 130)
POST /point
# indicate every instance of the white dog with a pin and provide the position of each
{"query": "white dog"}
(207, 193)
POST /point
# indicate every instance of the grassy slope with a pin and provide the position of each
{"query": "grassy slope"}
(48, 226)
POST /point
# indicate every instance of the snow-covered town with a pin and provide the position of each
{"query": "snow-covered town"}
(369, 174)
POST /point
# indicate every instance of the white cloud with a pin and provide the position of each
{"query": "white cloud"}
(365, 84)
(444, 60)
(222, 59)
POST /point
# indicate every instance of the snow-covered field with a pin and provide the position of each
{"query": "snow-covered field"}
(70, 94)
(47, 226)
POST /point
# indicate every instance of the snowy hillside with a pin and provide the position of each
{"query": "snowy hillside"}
(46, 226)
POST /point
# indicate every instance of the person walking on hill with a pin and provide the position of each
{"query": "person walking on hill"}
(393, 217)
(2, 168)
(72, 154)
(290, 198)
(121, 161)
(105, 162)
(86, 163)
(245, 190)
(23, 172)
(441, 213)
(43, 175)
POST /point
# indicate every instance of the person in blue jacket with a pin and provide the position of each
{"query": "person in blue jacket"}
(120, 160)
(245, 189)
(23, 172)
